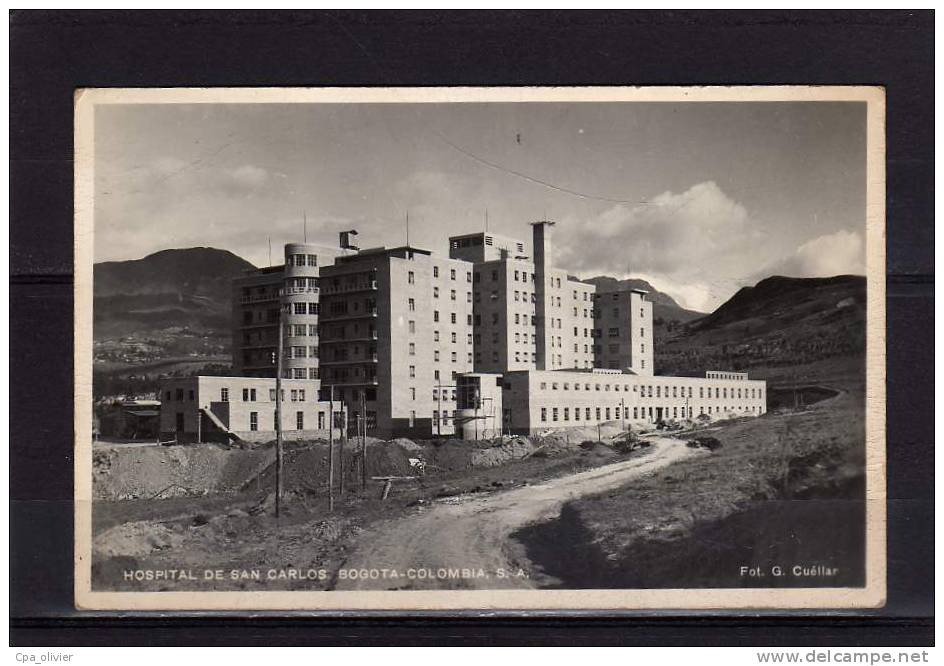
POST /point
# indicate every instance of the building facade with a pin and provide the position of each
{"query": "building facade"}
(396, 333)
(256, 301)
(205, 409)
(540, 400)
(484, 341)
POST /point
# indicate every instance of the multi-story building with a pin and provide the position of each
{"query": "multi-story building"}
(623, 333)
(396, 333)
(256, 300)
(527, 314)
(487, 340)
(205, 409)
(540, 400)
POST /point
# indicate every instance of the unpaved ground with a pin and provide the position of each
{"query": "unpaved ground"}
(464, 542)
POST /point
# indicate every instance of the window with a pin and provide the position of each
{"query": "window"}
(453, 336)
(412, 326)
(435, 356)
(412, 393)
(642, 332)
(435, 315)
(566, 413)
(299, 420)
(435, 336)
(435, 271)
(435, 292)
(312, 259)
(412, 371)
(245, 395)
(452, 273)
(224, 395)
(412, 304)
(468, 276)
(554, 414)
(576, 413)
(301, 308)
(452, 317)
(253, 421)
(179, 394)
(412, 349)
(410, 278)
(452, 294)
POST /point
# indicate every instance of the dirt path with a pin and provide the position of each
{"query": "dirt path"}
(430, 548)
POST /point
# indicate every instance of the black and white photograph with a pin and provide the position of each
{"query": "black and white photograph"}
(480, 348)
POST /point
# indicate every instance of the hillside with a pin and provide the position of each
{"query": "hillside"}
(785, 329)
(187, 287)
(666, 312)
(171, 307)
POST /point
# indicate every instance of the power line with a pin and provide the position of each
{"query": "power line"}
(532, 179)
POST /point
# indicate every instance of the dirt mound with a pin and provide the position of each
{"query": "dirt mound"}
(452, 455)
(169, 471)
(512, 449)
(407, 444)
(135, 540)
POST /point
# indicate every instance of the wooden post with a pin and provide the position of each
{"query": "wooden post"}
(278, 418)
(342, 437)
(364, 444)
(331, 461)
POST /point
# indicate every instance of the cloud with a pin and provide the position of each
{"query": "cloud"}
(701, 230)
(698, 244)
(839, 253)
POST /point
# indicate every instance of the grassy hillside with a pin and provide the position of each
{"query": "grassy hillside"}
(783, 329)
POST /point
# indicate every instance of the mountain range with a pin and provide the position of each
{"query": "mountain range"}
(177, 303)
(186, 288)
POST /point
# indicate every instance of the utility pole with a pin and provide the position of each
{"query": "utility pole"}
(363, 416)
(341, 440)
(331, 456)
(439, 408)
(278, 418)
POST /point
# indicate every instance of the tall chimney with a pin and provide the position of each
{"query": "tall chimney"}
(541, 239)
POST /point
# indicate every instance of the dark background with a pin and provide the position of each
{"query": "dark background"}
(55, 52)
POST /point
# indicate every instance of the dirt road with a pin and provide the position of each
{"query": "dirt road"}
(465, 542)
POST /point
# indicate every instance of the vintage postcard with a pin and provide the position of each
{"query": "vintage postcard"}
(486, 349)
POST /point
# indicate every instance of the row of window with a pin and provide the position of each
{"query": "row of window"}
(248, 395)
(303, 260)
(305, 308)
(299, 421)
(646, 390)
(652, 413)
(301, 330)
(452, 274)
(452, 294)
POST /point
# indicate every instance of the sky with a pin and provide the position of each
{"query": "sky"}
(698, 198)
